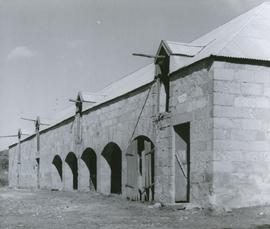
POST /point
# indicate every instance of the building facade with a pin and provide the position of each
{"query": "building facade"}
(193, 127)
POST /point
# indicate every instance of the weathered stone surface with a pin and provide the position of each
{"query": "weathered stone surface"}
(253, 102)
(223, 99)
(197, 110)
(241, 136)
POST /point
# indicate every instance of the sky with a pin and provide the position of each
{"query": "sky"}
(51, 49)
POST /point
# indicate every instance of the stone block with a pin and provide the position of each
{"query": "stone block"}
(222, 134)
(244, 135)
(232, 112)
(226, 87)
(244, 76)
(251, 89)
(224, 123)
(234, 145)
(253, 102)
(223, 99)
(262, 76)
(223, 74)
(249, 124)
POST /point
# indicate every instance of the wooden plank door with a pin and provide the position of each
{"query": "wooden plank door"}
(148, 170)
(132, 172)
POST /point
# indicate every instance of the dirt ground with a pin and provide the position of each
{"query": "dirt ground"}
(49, 209)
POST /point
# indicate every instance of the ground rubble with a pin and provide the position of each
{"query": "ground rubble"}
(47, 209)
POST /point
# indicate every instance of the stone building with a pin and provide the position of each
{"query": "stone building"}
(3, 168)
(191, 127)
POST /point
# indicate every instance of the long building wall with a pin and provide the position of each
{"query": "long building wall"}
(114, 122)
(222, 107)
(119, 121)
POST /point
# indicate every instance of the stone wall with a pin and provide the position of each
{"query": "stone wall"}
(118, 121)
(191, 99)
(4, 168)
(241, 134)
(227, 107)
(115, 122)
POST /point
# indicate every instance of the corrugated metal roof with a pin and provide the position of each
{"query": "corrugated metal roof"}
(62, 115)
(91, 97)
(130, 82)
(127, 84)
(247, 36)
(185, 49)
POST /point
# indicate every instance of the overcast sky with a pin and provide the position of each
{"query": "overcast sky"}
(51, 49)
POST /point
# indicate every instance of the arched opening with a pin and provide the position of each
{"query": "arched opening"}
(72, 162)
(57, 174)
(140, 169)
(90, 159)
(113, 155)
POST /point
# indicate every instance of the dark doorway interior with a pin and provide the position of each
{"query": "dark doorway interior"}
(71, 160)
(38, 169)
(182, 162)
(90, 159)
(57, 162)
(113, 155)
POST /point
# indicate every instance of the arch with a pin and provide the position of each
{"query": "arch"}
(113, 174)
(57, 162)
(72, 162)
(90, 159)
(140, 169)
(57, 172)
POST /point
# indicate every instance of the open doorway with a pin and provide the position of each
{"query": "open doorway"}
(90, 159)
(57, 174)
(72, 162)
(113, 155)
(182, 162)
(38, 170)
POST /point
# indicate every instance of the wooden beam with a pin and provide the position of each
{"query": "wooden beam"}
(78, 101)
(32, 120)
(28, 119)
(9, 136)
(148, 56)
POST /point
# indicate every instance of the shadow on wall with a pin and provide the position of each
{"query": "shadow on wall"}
(3, 168)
